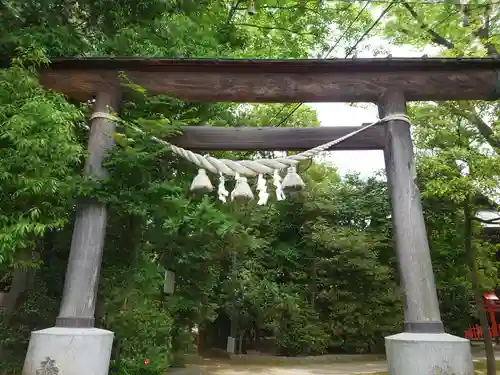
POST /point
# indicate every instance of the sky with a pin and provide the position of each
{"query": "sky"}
(366, 163)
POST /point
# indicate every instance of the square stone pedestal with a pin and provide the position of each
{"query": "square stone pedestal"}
(75, 351)
(428, 354)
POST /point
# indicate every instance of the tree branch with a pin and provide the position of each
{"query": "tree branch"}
(232, 11)
(435, 37)
(483, 34)
(483, 128)
(292, 7)
(490, 221)
(272, 28)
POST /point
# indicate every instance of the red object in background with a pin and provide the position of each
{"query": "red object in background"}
(146, 361)
(491, 306)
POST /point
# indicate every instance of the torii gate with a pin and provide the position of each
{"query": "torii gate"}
(423, 348)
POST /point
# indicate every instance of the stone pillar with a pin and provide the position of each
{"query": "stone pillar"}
(424, 347)
(74, 345)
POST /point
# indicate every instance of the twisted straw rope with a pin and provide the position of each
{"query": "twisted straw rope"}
(252, 168)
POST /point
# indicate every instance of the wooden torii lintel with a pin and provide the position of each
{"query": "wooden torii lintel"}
(280, 81)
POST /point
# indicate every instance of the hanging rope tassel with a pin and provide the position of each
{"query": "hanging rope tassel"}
(262, 189)
(292, 181)
(241, 190)
(201, 183)
(223, 193)
(280, 196)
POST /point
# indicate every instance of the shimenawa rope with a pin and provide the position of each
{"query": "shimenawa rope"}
(251, 168)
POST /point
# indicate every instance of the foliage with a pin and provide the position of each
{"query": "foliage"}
(319, 267)
(141, 321)
(180, 28)
(35, 312)
(38, 154)
(457, 170)
(451, 30)
(471, 30)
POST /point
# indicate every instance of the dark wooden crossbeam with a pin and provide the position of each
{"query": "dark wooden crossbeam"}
(208, 138)
(333, 80)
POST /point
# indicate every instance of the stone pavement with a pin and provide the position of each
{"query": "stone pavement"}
(313, 369)
(212, 367)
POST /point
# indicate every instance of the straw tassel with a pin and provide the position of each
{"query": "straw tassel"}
(241, 190)
(292, 181)
(201, 183)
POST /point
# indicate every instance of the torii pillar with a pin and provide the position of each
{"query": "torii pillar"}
(423, 348)
(74, 345)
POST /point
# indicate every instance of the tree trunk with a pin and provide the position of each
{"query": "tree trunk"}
(476, 289)
(22, 279)
(240, 344)
(17, 287)
(313, 282)
(231, 340)
(257, 335)
(132, 242)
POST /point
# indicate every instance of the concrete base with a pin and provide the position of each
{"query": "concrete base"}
(75, 351)
(428, 354)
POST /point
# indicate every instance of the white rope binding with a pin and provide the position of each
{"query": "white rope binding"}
(258, 167)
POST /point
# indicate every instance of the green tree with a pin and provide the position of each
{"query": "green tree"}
(39, 152)
(456, 30)
(321, 267)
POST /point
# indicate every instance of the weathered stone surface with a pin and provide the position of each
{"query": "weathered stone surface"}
(428, 354)
(74, 351)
